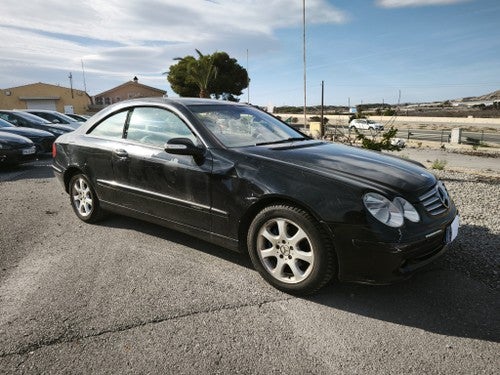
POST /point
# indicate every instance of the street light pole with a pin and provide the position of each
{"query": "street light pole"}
(304, 57)
(71, 83)
(322, 128)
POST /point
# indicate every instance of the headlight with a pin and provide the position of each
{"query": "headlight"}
(390, 213)
(383, 210)
(409, 212)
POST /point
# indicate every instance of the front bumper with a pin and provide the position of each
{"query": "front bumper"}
(16, 156)
(378, 262)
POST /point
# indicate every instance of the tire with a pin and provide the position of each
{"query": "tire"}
(290, 250)
(83, 199)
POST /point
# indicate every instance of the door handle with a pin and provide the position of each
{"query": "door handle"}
(121, 153)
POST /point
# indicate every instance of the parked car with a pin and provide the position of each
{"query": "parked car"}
(81, 118)
(19, 118)
(15, 149)
(55, 117)
(364, 124)
(399, 142)
(43, 140)
(305, 210)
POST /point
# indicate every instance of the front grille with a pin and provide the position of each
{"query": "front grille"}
(436, 201)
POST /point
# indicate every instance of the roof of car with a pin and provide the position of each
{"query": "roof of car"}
(185, 101)
(38, 110)
(23, 114)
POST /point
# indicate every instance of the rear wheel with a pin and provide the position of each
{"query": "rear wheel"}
(290, 250)
(84, 199)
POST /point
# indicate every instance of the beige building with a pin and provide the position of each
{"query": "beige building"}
(128, 90)
(45, 96)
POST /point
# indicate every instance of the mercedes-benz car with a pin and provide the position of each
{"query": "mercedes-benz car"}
(43, 140)
(305, 210)
(55, 117)
(15, 149)
(28, 120)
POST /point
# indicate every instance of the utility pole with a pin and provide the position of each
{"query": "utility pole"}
(84, 82)
(304, 57)
(71, 83)
(322, 127)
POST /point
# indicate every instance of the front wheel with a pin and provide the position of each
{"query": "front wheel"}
(84, 199)
(290, 250)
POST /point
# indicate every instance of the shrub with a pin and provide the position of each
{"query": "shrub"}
(384, 143)
(318, 119)
(439, 164)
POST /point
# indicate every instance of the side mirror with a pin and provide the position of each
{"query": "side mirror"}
(184, 146)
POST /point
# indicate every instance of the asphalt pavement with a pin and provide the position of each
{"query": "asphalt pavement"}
(124, 296)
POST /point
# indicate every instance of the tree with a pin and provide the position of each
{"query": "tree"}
(216, 75)
(385, 143)
(202, 72)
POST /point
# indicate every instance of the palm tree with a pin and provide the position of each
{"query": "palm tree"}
(202, 71)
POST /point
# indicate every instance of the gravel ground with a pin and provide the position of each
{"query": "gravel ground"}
(476, 251)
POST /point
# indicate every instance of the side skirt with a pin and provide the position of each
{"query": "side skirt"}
(226, 242)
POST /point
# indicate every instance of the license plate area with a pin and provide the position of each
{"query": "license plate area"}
(452, 230)
(29, 151)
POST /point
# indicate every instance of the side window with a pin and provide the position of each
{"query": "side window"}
(156, 126)
(112, 127)
(16, 121)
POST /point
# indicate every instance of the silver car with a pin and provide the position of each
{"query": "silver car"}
(365, 124)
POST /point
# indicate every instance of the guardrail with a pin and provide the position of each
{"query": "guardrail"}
(342, 132)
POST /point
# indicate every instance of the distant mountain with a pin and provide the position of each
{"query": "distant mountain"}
(492, 96)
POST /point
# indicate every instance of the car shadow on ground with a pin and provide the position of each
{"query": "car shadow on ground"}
(438, 299)
(457, 295)
(123, 222)
(38, 169)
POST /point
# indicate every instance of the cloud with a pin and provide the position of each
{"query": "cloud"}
(118, 38)
(415, 3)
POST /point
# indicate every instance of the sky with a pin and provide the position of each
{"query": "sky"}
(365, 51)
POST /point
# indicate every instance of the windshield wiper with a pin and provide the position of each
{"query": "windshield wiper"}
(282, 141)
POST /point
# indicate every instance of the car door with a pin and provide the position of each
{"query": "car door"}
(175, 188)
(94, 154)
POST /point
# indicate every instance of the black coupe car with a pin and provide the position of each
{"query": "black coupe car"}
(15, 149)
(305, 210)
(28, 120)
(43, 140)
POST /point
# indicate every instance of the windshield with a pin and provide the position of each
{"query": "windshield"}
(31, 117)
(5, 124)
(241, 126)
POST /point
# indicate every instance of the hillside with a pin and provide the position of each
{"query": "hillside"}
(492, 96)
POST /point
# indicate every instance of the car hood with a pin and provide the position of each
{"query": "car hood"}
(367, 167)
(14, 139)
(27, 132)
